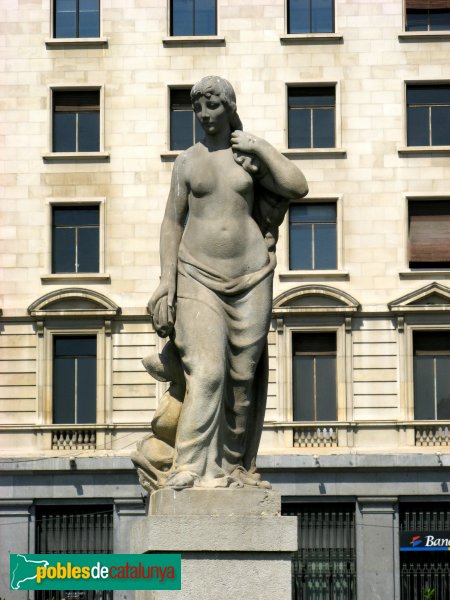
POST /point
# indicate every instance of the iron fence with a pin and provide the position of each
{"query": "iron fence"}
(74, 530)
(324, 568)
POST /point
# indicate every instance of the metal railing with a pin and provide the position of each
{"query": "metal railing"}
(74, 530)
(324, 568)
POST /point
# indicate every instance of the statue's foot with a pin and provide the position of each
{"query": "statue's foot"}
(181, 480)
(252, 479)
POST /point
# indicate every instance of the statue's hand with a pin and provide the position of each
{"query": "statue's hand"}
(162, 310)
(244, 142)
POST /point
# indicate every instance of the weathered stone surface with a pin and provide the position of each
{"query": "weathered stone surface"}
(215, 502)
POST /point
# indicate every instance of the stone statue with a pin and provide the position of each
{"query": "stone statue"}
(229, 194)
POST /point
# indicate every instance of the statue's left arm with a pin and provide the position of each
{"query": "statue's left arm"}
(277, 173)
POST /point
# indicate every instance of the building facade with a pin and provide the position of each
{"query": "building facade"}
(95, 109)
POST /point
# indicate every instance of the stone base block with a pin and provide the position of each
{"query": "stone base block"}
(241, 550)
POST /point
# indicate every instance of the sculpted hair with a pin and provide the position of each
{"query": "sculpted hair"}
(218, 86)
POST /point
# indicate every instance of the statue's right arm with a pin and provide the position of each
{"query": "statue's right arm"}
(162, 303)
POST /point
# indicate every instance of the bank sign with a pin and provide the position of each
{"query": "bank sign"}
(421, 541)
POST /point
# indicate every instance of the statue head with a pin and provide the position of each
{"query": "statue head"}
(218, 86)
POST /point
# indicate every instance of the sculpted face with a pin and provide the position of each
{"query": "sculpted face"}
(211, 113)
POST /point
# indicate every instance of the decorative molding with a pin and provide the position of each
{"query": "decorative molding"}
(318, 299)
(73, 302)
(433, 297)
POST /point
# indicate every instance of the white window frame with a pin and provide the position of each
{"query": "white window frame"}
(92, 42)
(405, 150)
(287, 274)
(76, 156)
(406, 272)
(48, 276)
(336, 150)
(310, 38)
(410, 328)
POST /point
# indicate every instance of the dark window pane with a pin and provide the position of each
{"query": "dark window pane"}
(314, 343)
(70, 215)
(63, 390)
(63, 250)
(65, 19)
(299, 16)
(311, 97)
(181, 134)
(440, 20)
(325, 246)
(322, 16)
(89, 18)
(71, 101)
(424, 388)
(313, 213)
(64, 132)
(74, 379)
(440, 125)
(418, 126)
(75, 346)
(323, 128)
(326, 388)
(198, 129)
(416, 20)
(428, 94)
(86, 389)
(299, 128)
(182, 17)
(443, 386)
(205, 17)
(300, 247)
(88, 250)
(88, 132)
(303, 367)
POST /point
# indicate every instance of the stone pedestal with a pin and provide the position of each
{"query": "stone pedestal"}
(234, 544)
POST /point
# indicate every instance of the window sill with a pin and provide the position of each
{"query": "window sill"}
(424, 150)
(170, 155)
(311, 38)
(422, 36)
(334, 275)
(427, 273)
(315, 152)
(97, 42)
(75, 156)
(71, 277)
(194, 40)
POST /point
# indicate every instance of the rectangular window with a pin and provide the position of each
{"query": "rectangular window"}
(185, 129)
(75, 239)
(74, 379)
(312, 236)
(76, 18)
(310, 16)
(324, 568)
(63, 529)
(193, 17)
(76, 121)
(431, 375)
(427, 15)
(428, 115)
(311, 117)
(429, 234)
(314, 376)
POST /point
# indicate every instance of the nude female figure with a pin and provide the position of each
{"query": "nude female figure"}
(229, 192)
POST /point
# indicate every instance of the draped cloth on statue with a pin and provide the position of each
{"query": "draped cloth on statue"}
(225, 320)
